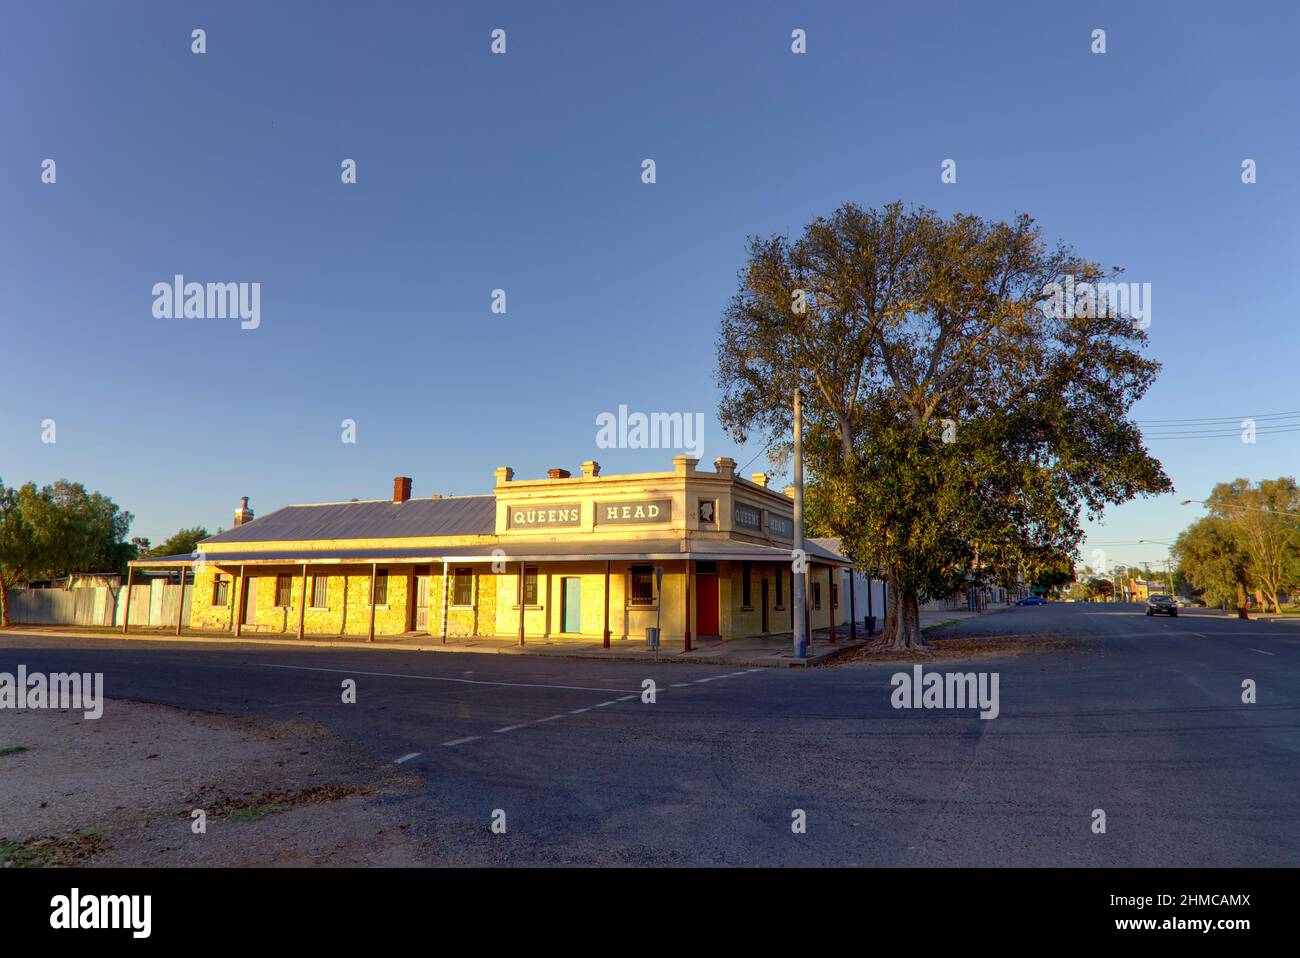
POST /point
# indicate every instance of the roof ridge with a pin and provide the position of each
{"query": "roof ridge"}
(358, 502)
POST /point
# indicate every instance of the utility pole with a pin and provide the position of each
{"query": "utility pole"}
(797, 584)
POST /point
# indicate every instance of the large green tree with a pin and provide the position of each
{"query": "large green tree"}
(958, 424)
(1211, 556)
(1266, 517)
(59, 528)
(1250, 541)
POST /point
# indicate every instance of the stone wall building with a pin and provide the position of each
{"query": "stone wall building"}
(698, 554)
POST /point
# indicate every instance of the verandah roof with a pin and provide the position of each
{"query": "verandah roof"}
(632, 550)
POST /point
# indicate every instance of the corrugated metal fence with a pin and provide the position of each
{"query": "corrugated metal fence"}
(152, 604)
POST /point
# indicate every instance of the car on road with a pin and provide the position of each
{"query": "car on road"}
(1160, 604)
(1032, 600)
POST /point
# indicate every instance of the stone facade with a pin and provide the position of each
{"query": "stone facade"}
(567, 530)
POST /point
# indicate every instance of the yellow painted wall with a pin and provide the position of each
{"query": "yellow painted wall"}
(495, 610)
(347, 609)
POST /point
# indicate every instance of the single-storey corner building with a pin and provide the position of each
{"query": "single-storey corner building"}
(697, 554)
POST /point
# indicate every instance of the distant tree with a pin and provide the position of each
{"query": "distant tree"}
(1264, 516)
(1100, 587)
(183, 542)
(1211, 555)
(52, 530)
(1053, 576)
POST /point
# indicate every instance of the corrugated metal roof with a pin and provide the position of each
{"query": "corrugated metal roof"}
(381, 519)
(525, 551)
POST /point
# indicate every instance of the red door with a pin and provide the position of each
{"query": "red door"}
(706, 605)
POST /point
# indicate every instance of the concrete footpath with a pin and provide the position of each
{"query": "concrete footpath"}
(773, 651)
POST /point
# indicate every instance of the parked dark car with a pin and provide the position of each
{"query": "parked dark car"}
(1161, 604)
(1032, 600)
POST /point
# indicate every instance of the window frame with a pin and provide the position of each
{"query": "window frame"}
(220, 587)
(817, 595)
(465, 573)
(780, 590)
(636, 600)
(746, 587)
(320, 592)
(381, 588)
(285, 582)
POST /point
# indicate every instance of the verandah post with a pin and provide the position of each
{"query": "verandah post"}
(126, 613)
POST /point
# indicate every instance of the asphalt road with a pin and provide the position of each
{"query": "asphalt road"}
(1141, 718)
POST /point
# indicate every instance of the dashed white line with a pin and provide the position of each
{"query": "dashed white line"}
(601, 705)
(681, 685)
(627, 698)
(460, 741)
(444, 678)
(549, 718)
(509, 728)
(1260, 651)
(579, 711)
(407, 758)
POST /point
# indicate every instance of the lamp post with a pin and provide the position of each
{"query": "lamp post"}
(797, 579)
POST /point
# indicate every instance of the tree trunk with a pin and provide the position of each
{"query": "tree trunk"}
(902, 620)
(4, 603)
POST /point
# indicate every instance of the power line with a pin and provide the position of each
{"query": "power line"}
(1226, 434)
(1212, 419)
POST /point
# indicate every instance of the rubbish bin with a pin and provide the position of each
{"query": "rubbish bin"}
(652, 637)
(870, 623)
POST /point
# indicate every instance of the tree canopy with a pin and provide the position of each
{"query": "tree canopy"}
(957, 425)
(1249, 541)
(59, 528)
(183, 542)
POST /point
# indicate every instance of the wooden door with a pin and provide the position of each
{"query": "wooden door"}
(706, 606)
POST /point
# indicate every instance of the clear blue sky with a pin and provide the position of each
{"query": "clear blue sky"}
(522, 172)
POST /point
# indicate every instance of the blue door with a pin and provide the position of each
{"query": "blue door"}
(571, 616)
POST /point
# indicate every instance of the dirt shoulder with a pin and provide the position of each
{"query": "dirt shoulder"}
(121, 790)
(940, 649)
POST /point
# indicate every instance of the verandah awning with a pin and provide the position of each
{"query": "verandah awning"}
(666, 550)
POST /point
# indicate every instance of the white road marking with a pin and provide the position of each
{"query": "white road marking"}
(627, 698)
(510, 728)
(681, 685)
(460, 741)
(441, 678)
(407, 758)
(601, 705)
(579, 711)
(549, 718)
(1260, 651)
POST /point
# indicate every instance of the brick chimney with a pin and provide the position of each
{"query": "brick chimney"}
(243, 513)
(758, 478)
(401, 488)
(504, 474)
(557, 473)
(590, 469)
